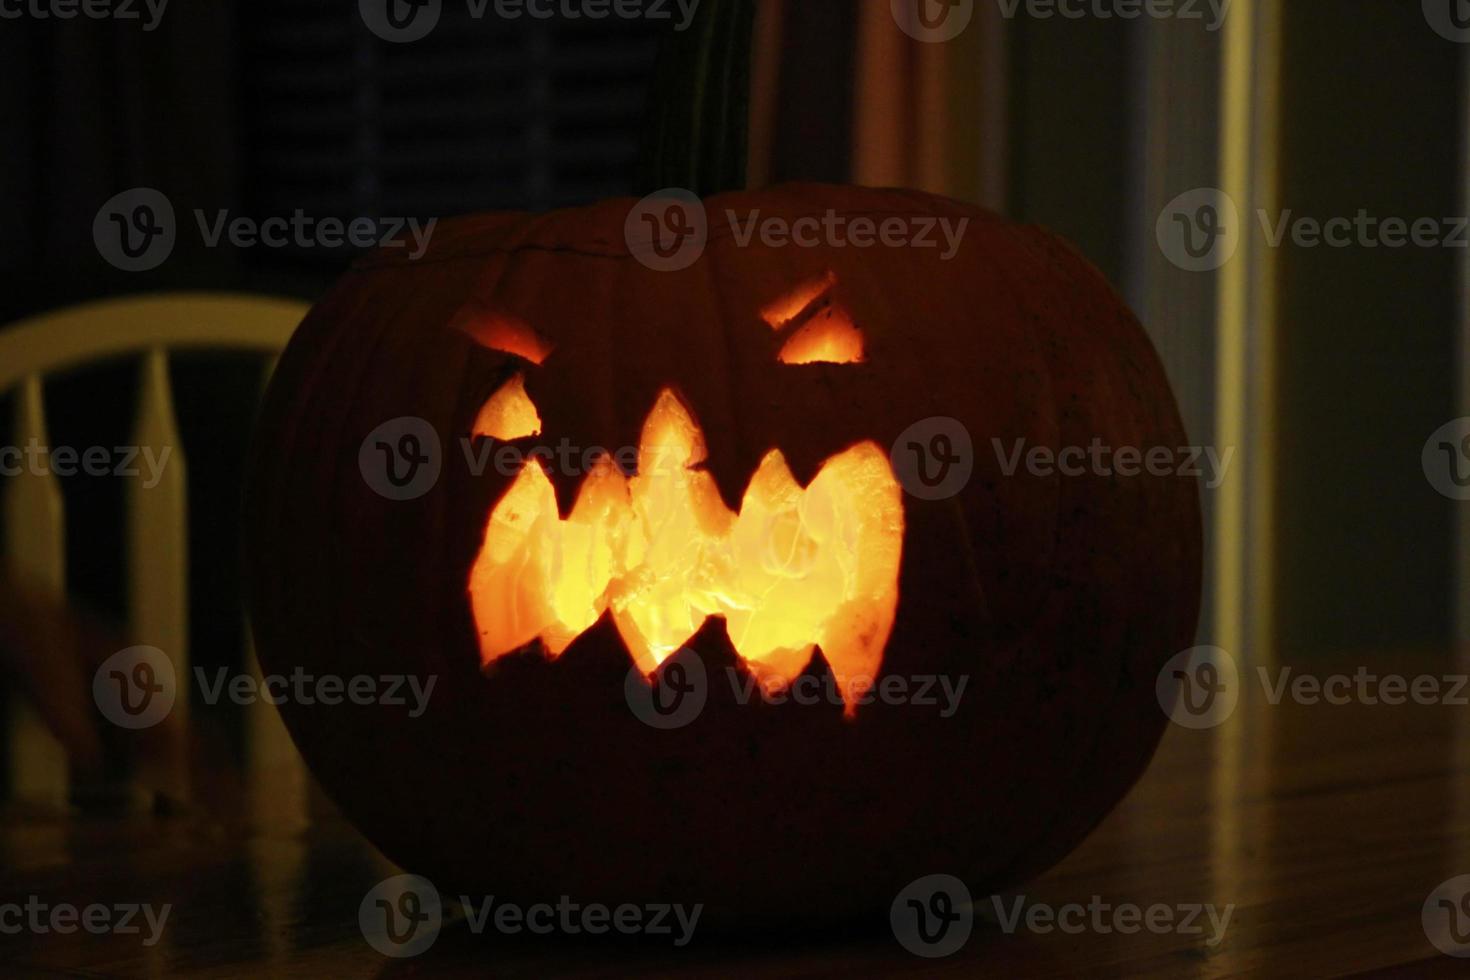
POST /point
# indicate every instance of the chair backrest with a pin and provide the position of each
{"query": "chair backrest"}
(150, 327)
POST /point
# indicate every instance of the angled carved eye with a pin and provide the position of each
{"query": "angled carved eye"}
(502, 332)
(821, 330)
(788, 308)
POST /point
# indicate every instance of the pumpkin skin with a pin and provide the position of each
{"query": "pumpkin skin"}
(1059, 597)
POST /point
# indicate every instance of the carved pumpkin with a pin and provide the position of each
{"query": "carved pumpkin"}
(747, 511)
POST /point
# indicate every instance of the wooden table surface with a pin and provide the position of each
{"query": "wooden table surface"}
(1325, 827)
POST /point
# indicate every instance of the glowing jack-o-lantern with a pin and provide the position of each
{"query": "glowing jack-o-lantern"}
(793, 569)
(756, 462)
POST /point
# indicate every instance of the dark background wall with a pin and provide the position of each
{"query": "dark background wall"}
(1071, 109)
(1366, 346)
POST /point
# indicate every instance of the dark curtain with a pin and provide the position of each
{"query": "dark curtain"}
(92, 108)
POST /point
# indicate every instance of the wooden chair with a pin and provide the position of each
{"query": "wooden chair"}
(147, 327)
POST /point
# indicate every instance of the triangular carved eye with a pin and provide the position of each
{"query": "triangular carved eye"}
(822, 331)
(502, 332)
(829, 337)
(509, 413)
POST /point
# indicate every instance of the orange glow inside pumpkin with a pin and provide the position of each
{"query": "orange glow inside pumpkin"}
(509, 414)
(829, 337)
(796, 568)
(787, 308)
(823, 332)
(502, 332)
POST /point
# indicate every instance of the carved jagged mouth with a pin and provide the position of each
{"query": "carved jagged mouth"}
(794, 569)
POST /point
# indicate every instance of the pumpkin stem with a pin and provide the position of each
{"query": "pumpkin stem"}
(696, 136)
